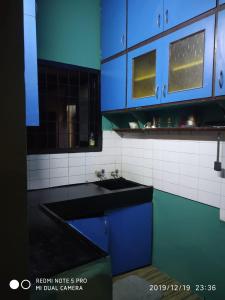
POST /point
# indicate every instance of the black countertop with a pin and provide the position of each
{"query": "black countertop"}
(56, 247)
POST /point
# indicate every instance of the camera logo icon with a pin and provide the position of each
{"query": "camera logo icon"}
(25, 284)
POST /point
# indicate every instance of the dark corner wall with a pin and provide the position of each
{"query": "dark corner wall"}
(69, 31)
(189, 242)
(14, 230)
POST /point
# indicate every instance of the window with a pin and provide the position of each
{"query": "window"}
(69, 110)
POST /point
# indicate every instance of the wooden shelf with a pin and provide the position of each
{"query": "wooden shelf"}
(215, 129)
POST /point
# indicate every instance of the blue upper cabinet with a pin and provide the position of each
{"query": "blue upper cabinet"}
(149, 17)
(113, 84)
(29, 7)
(145, 19)
(220, 56)
(176, 11)
(113, 27)
(30, 59)
(188, 61)
(145, 75)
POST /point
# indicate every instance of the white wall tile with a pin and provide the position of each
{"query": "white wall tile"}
(58, 172)
(209, 198)
(181, 167)
(188, 192)
(77, 179)
(39, 174)
(188, 181)
(208, 148)
(38, 164)
(59, 181)
(209, 186)
(58, 163)
(38, 184)
(76, 161)
(222, 215)
(75, 171)
(38, 156)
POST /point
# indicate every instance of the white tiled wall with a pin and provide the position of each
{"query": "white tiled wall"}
(61, 169)
(181, 167)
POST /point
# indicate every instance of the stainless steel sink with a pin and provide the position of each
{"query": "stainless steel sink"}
(116, 184)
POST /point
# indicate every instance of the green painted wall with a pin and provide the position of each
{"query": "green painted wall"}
(69, 31)
(189, 242)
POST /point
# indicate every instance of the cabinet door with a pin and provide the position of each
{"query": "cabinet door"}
(130, 237)
(176, 11)
(189, 62)
(220, 56)
(94, 229)
(145, 19)
(113, 84)
(113, 27)
(144, 75)
(29, 7)
(31, 81)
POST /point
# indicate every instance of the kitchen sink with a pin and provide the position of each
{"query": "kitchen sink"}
(116, 184)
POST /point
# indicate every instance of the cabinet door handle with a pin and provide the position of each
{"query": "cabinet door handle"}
(157, 92)
(159, 20)
(164, 91)
(106, 225)
(167, 16)
(123, 39)
(221, 79)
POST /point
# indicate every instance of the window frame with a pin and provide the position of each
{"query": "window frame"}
(97, 121)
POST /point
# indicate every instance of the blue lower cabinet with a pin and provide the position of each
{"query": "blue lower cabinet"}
(130, 245)
(188, 61)
(113, 84)
(94, 229)
(31, 74)
(220, 56)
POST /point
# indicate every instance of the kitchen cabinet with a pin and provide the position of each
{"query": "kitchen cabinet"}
(220, 56)
(113, 84)
(126, 234)
(30, 61)
(145, 19)
(176, 67)
(94, 229)
(130, 234)
(188, 62)
(145, 75)
(150, 17)
(113, 27)
(176, 11)
(29, 7)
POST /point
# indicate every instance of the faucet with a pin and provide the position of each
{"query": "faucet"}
(100, 174)
(115, 174)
